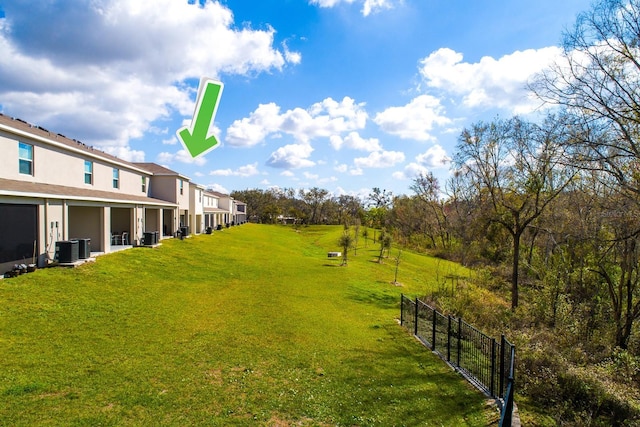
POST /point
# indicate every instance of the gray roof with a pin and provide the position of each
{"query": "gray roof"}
(38, 131)
(157, 169)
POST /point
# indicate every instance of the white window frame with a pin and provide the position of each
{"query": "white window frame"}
(25, 160)
(88, 173)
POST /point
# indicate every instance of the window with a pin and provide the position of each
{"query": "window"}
(25, 158)
(181, 185)
(88, 172)
(144, 184)
(116, 178)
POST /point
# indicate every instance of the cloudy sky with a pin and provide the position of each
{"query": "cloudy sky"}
(344, 95)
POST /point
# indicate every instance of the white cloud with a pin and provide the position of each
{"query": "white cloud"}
(292, 156)
(126, 153)
(415, 120)
(219, 188)
(356, 171)
(173, 140)
(434, 157)
(371, 6)
(287, 174)
(248, 170)
(252, 130)
(327, 180)
(181, 156)
(329, 3)
(342, 168)
(410, 171)
(323, 119)
(105, 77)
(336, 141)
(379, 159)
(368, 6)
(354, 141)
(309, 175)
(291, 57)
(242, 171)
(491, 82)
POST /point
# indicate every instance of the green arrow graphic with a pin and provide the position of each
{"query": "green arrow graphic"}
(195, 138)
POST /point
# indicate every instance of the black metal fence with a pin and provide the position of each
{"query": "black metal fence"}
(484, 361)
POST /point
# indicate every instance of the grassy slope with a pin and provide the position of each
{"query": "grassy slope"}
(251, 326)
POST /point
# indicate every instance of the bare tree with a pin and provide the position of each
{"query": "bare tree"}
(380, 198)
(427, 189)
(597, 80)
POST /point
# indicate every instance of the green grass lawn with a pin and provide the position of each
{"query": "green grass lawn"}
(250, 326)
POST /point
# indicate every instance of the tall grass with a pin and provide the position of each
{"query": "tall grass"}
(249, 326)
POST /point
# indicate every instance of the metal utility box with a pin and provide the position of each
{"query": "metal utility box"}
(67, 251)
(84, 248)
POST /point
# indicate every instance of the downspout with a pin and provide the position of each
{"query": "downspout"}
(46, 232)
(65, 215)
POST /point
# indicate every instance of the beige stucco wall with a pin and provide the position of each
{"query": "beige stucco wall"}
(60, 166)
(183, 199)
(86, 222)
(196, 198)
(164, 188)
(210, 201)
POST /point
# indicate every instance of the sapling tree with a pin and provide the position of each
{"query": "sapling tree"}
(346, 242)
(385, 243)
(365, 235)
(355, 236)
(397, 260)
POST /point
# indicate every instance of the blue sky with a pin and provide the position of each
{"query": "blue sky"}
(345, 95)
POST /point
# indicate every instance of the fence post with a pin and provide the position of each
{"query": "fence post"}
(503, 344)
(493, 367)
(506, 417)
(459, 340)
(433, 333)
(449, 338)
(402, 309)
(415, 320)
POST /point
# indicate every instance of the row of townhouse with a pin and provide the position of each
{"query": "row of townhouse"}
(54, 188)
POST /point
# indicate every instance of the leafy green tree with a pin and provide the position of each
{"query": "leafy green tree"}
(516, 169)
(376, 217)
(315, 199)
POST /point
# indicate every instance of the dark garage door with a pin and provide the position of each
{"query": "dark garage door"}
(18, 232)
